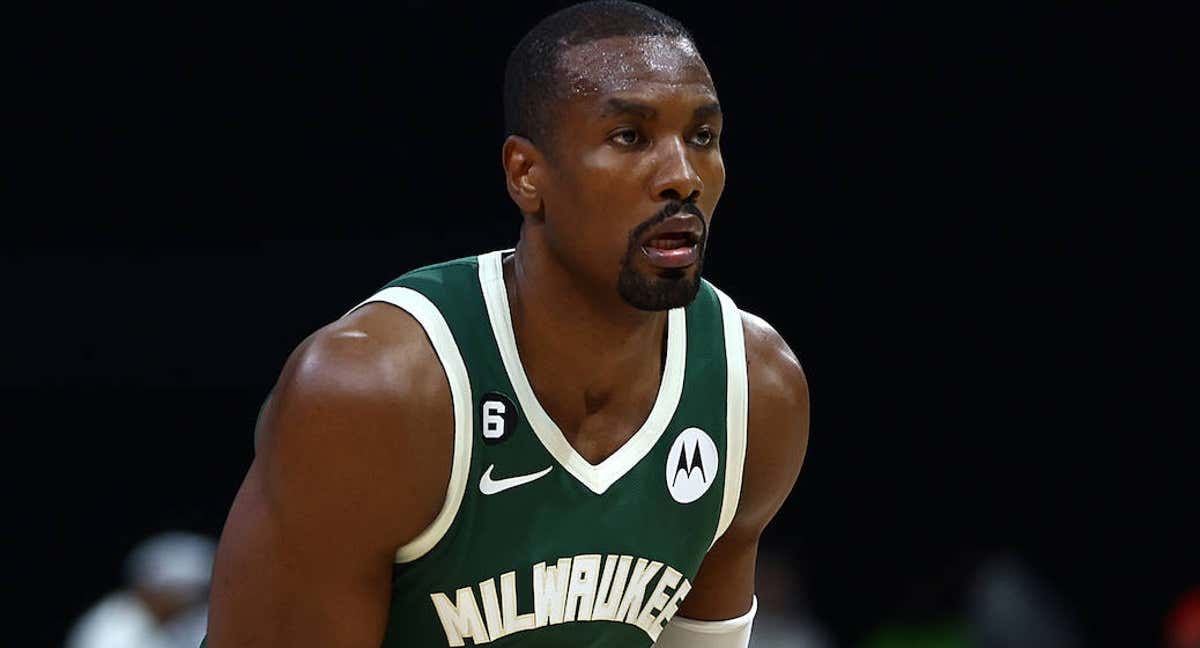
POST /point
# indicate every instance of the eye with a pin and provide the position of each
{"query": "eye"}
(625, 137)
(704, 137)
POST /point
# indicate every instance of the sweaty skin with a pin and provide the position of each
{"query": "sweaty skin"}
(355, 443)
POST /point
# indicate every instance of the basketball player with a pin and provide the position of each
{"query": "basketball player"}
(577, 442)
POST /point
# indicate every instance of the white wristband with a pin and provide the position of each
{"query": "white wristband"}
(690, 633)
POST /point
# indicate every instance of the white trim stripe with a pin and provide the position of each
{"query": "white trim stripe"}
(430, 318)
(599, 477)
(737, 404)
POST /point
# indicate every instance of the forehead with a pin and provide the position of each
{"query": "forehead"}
(621, 64)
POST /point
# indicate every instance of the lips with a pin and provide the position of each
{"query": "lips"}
(674, 243)
(684, 227)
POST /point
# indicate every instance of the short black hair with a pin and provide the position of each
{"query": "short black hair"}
(532, 80)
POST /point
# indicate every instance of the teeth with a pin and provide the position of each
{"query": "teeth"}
(669, 243)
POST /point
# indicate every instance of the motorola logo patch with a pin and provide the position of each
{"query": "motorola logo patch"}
(497, 417)
(692, 465)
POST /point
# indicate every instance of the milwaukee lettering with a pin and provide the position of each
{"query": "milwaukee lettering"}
(572, 590)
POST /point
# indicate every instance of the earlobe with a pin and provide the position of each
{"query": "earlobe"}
(522, 162)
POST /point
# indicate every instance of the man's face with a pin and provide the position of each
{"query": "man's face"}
(636, 168)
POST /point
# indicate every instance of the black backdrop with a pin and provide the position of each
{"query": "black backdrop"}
(955, 216)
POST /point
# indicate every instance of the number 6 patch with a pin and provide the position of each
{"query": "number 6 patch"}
(497, 416)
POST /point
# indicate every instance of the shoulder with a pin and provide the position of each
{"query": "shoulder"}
(362, 406)
(776, 376)
(777, 425)
(374, 359)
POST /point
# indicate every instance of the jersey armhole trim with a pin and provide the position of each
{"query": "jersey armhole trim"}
(736, 410)
(430, 318)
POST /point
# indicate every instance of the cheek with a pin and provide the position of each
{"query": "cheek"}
(614, 197)
(594, 210)
(714, 182)
(610, 176)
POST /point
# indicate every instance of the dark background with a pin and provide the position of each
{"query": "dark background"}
(958, 217)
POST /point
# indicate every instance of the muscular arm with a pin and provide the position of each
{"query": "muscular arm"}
(777, 436)
(353, 461)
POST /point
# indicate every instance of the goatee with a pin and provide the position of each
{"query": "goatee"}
(668, 288)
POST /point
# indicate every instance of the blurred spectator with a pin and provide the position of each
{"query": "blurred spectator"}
(979, 600)
(1008, 607)
(784, 618)
(165, 603)
(1183, 622)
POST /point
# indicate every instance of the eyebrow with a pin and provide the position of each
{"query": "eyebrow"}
(707, 110)
(615, 106)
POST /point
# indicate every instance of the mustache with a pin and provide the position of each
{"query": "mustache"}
(670, 209)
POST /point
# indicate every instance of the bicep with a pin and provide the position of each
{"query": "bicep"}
(306, 555)
(281, 579)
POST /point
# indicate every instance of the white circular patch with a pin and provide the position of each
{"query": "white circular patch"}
(692, 465)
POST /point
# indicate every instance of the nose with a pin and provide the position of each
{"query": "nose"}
(676, 177)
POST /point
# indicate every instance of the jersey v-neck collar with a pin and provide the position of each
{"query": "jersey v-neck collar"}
(597, 477)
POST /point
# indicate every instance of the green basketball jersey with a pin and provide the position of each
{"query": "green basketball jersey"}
(534, 546)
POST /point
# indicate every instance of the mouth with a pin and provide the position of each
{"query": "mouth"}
(674, 245)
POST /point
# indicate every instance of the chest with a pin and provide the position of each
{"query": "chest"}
(536, 557)
(571, 533)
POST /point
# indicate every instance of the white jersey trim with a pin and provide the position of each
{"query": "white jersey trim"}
(597, 477)
(430, 319)
(737, 405)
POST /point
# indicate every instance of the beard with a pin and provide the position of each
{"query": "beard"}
(666, 288)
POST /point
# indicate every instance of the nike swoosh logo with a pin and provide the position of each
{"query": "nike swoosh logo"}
(489, 486)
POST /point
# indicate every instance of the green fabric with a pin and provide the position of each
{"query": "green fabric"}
(558, 517)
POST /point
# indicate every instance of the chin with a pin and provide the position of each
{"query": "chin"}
(661, 290)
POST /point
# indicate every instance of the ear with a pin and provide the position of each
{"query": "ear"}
(524, 172)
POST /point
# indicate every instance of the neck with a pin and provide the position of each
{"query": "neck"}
(561, 327)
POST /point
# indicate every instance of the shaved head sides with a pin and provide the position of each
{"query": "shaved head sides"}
(538, 76)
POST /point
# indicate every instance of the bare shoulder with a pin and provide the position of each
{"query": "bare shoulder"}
(777, 428)
(774, 369)
(363, 402)
(352, 462)
(376, 357)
